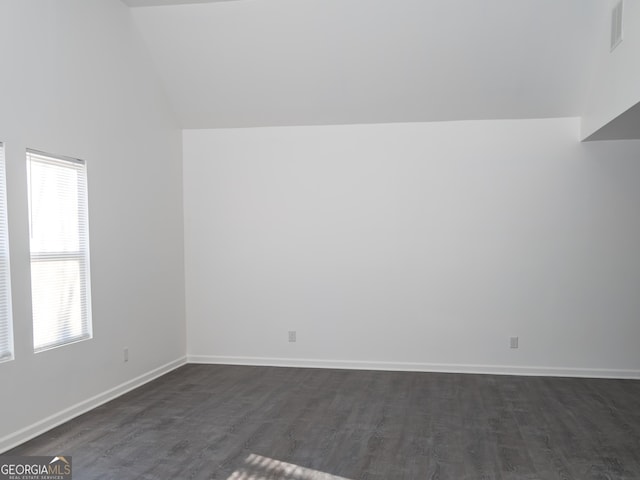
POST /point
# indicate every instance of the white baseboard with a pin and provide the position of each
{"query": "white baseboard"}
(418, 367)
(14, 439)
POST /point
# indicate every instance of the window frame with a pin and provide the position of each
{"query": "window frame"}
(81, 256)
(7, 350)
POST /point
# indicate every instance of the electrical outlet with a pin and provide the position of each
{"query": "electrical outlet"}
(292, 336)
(513, 342)
(126, 355)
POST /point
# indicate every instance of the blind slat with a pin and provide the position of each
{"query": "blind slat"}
(6, 332)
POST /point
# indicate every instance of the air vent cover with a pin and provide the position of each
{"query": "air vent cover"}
(616, 25)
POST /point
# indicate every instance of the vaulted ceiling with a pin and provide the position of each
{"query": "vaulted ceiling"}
(241, 63)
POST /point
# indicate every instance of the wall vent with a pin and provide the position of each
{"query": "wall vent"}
(616, 25)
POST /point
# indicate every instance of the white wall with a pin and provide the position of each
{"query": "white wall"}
(615, 85)
(327, 62)
(414, 246)
(75, 80)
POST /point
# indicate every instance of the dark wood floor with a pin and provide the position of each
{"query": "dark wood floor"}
(260, 423)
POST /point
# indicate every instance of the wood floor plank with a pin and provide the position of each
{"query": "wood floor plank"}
(267, 423)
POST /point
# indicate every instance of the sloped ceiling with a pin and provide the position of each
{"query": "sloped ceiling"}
(158, 3)
(307, 62)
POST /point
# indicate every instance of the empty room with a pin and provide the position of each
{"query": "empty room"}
(320, 239)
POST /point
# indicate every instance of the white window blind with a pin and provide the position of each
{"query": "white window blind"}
(6, 337)
(58, 223)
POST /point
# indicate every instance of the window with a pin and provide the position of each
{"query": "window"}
(58, 224)
(6, 337)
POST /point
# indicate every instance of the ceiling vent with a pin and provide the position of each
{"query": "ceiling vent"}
(616, 25)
